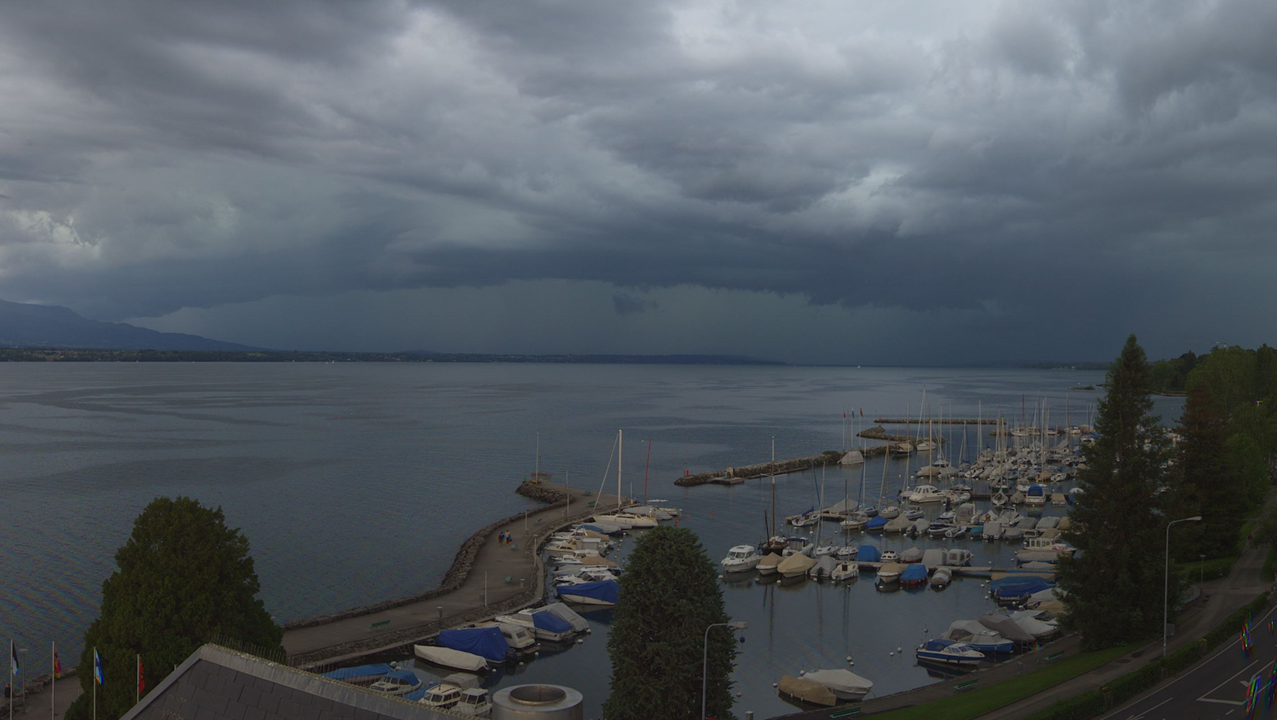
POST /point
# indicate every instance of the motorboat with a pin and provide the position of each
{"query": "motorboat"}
(586, 574)
(845, 570)
(360, 674)
(958, 557)
(397, 682)
(868, 555)
(826, 547)
(443, 696)
(823, 567)
(979, 637)
(949, 652)
(941, 578)
(888, 556)
(911, 555)
(876, 524)
(474, 702)
(543, 624)
(768, 564)
(518, 637)
(914, 575)
(1035, 495)
(897, 525)
(445, 657)
(603, 593)
(938, 528)
(1059, 500)
(926, 494)
(844, 684)
(934, 558)
(890, 572)
(914, 514)
(741, 558)
(798, 545)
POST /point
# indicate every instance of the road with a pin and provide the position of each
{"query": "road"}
(1218, 686)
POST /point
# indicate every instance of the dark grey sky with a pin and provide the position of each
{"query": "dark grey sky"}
(869, 182)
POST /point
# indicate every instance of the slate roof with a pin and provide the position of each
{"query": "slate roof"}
(220, 684)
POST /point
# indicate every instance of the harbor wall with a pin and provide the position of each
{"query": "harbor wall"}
(457, 572)
(748, 472)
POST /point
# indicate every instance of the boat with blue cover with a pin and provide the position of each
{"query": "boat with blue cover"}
(397, 682)
(360, 674)
(915, 575)
(1016, 589)
(950, 653)
(604, 592)
(876, 524)
(486, 642)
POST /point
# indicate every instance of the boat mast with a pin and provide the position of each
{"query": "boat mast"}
(773, 485)
(647, 453)
(619, 468)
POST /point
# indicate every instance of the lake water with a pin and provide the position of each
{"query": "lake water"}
(355, 483)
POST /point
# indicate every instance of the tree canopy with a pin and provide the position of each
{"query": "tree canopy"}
(669, 597)
(183, 578)
(1115, 586)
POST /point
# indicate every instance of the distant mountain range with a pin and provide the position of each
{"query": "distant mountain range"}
(50, 326)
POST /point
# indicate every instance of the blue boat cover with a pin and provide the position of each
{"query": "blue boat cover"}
(416, 695)
(1018, 586)
(606, 590)
(1035, 490)
(595, 528)
(938, 644)
(487, 642)
(407, 676)
(550, 622)
(915, 572)
(876, 522)
(359, 671)
(868, 553)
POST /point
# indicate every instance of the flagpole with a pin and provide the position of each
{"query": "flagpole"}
(53, 679)
(137, 689)
(10, 683)
(95, 682)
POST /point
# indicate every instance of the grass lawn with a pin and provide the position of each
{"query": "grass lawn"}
(1269, 568)
(1213, 568)
(981, 700)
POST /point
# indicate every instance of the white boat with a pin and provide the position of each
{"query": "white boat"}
(797, 546)
(806, 520)
(741, 558)
(941, 578)
(474, 702)
(518, 638)
(447, 657)
(890, 512)
(397, 682)
(889, 556)
(844, 684)
(844, 571)
(854, 522)
(443, 696)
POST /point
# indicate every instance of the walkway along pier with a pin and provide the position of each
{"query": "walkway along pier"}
(735, 475)
(486, 579)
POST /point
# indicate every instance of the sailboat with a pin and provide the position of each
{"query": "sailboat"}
(625, 520)
(773, 543)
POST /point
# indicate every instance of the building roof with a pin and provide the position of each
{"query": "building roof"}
(220, 684)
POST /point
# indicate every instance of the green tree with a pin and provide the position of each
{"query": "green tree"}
(669, 597)
(1228, 374)
(182, 579)
(1205, 464)
(1115, 586)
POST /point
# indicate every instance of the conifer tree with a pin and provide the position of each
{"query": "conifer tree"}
(1204, 462)
(183, 579)
(669, 597)
(1115, 586)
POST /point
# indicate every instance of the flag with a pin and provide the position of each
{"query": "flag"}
(57, 665)
(142, 683)
(859, 412)
(97, 667)
(13, 658)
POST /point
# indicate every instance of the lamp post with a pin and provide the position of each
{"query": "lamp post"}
(1164, 629)
(1202, 572)
(736, 625)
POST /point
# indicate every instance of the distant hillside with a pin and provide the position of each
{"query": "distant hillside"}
(49, 326)
(64, 354)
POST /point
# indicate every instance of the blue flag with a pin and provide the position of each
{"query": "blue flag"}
(13, 658)
(97, 667)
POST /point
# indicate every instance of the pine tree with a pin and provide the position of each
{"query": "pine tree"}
(669, 597)
(183, 579)
(1115, 586)
(1204, 461)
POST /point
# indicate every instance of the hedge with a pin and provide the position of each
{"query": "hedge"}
(1080, 707)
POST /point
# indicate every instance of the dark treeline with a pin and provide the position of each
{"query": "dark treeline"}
(320, 356)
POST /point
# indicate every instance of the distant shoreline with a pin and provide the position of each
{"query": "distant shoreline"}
(278, 356)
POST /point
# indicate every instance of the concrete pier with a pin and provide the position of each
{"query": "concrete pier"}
(486, 579)
(734, 475)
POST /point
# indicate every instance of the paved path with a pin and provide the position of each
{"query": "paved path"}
(483, 591)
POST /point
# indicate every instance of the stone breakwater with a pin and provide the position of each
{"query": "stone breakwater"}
(453, 577)
(748, 472)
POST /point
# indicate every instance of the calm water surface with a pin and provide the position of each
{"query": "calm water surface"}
(356, 483)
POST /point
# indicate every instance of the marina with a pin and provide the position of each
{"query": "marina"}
(328, 556)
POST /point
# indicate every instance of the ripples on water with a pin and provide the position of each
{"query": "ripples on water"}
(355, 483)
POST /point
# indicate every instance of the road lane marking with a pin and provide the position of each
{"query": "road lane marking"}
(1224, 682)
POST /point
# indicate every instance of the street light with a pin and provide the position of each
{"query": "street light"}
(1164, 629)
(736, 625)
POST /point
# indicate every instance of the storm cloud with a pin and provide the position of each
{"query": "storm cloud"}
(1027, 177)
